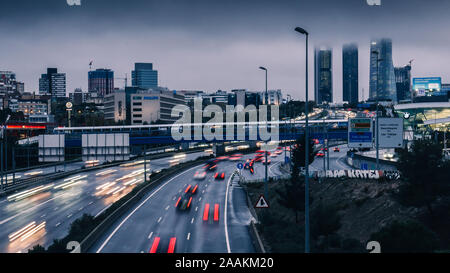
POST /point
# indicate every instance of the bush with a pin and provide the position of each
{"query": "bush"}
(325, 221)
(406, 237)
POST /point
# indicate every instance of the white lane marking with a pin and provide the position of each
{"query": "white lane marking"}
(80, 209)
(100, 212)
(150, 235)
(200, 199)
(339, 163)
(70, 215)
(270, 169)
(90, 203)
(174, 198)
(167, 207)
(43, 215)
(225, 213)
(159, 220)
(203, 191)
(138, 207)
(192, 221)
(57, 224)
(196, 208)
(188, 236)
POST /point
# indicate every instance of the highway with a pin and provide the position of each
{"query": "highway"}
(337, 160)
(41, 214)
(155, 221)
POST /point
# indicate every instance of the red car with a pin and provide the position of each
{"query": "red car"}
(336, 149)
(320, 154)
(220, 176)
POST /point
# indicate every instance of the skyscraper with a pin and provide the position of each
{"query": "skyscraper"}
(323, 76)
(144, 76)
(403, 83)
(350, 73)
(101, 81)
(53, 83)
(382, 76)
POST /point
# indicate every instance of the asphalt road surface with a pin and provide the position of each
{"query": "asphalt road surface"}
(155, 222)
(40, 215)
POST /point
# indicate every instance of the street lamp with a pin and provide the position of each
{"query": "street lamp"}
(304, 32)
(265, 177)
(376, 117)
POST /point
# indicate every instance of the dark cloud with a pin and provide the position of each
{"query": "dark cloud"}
(212, 44)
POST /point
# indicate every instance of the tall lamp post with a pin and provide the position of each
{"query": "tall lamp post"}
(265, 152)
(376, 117)
(304, 32)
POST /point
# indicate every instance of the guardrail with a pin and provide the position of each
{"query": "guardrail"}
(101, 228)
(356, 160)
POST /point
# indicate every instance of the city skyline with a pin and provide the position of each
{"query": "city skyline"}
(223, 54)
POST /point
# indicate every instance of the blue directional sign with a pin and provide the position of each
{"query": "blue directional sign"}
(286, 159)
(360, 133)
(240, 166)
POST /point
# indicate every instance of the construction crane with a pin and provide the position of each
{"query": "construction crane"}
(125, 79)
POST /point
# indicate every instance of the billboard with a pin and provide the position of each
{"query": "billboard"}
(430, 86)
(360, 133)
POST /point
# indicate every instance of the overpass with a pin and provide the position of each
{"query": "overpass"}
(162, 133)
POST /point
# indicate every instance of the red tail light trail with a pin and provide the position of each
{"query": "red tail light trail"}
(206, 212)
(155, 245)
(172, 242)
(216, 212)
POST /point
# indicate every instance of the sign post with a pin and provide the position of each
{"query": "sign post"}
(390, 132)
(360, 133)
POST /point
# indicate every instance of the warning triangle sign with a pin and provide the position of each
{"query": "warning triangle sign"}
(262, 203)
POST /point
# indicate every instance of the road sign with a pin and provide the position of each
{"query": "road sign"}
(286, 159)
(240, 166)
(262, 203)
(360, 133)
(390, 132)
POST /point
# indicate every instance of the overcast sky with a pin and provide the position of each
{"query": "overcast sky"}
(217, 44)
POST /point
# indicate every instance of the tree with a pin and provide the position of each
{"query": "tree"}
(407, 237)
(425, 173)
(298, 156)
(292, 196)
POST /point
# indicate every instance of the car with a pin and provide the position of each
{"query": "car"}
(259, 158)
(199, 175)
(184, 201)
(264, 161)
(210, 167)
(336, 149)
(320, 154)
(220, 176)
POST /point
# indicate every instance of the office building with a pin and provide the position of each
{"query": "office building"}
(9, 83)
(382, 86)
(323, 75)
(350, 73)
(115, 107)
(274, 97)
(143, 76)
(244, 98)
(151, 105)
(53, 84)
(403, 83)
(101, 81)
